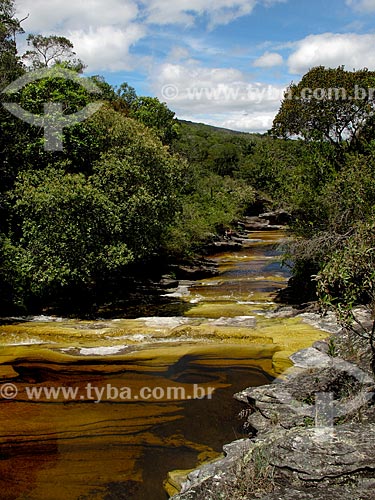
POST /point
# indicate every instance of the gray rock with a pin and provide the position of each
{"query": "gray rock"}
(321, 346)
(279, 217)
(168, 283)
(327, 323)
(346, 492)
(326, 463)
(311, 358)
(244, 321)
(306, 455)
(217, 469)
(288, 403)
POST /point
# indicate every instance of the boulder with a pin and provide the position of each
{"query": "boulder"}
(295, 451)
(305, 455)
(279, 217)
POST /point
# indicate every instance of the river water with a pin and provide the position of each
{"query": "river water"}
(133, 399)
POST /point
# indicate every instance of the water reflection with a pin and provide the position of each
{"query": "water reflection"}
(79, 449)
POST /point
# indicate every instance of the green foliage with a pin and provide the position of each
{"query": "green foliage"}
(141, 178)
(332, 348)
(332, 191)
(127, 94)
(348, 277)
(48, 50)
(121, 193)
(69, 231)
(153, 113)
(327, 105)
(23, 144)
(210, 148)
(213, 204)
(10, 65)
(12, 286)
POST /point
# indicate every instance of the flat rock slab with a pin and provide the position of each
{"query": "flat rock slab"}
(339, 493)
(214, 470)
(310, 455)
(245, 321)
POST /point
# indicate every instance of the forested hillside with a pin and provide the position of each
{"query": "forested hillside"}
(133, 184)
(120, 193)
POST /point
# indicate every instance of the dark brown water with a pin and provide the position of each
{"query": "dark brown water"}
(67, 448)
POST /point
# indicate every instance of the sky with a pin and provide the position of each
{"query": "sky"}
(221, 62)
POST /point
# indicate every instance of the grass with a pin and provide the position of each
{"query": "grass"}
(251, 475)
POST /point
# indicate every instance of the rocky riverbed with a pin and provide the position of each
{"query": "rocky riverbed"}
(311, 432)
(219, 332)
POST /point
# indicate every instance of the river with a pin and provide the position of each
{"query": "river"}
(135, 398)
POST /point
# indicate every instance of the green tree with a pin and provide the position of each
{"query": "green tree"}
(348, 279)
(140, 177)
(24, 144)
(155, 115)
(127, 94)
(69, 232)
(223, 158)
(48, 50)
(327, 105)
(209, 204)
(10, 65)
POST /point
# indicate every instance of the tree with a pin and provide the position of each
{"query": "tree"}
(331, 105)
(127, 94)
(23, 145)
(49, 50)
(10, 65)
(69, 232)
(348, 279)
(155, 115)
(212, 204)
(223, 158)
(140, 177)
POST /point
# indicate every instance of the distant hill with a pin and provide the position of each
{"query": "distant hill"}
(218, 150)
(212, 129)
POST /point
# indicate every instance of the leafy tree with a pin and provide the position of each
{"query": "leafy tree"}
(69, 232)
(348, 279)
(210, 148)
(155, 115)
(24, 144)
(223, 158)
(331, 105)
(10, 65)
(48, 50)
(127, 94)
(140, 177)
(212, 204)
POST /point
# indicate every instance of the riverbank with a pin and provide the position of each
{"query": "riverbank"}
(210, 333)
(312, 432)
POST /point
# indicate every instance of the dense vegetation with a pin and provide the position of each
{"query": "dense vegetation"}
(119, 194)
(132, 184)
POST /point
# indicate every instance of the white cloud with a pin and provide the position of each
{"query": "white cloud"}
(243, 122)
(106, 47)
(333, 50)
(250, 122)
(185, 11)
(269, 60)
(226, 95)
(217, 11)
(362, 5)
(57, 15)
(178, 53)
(102, 32)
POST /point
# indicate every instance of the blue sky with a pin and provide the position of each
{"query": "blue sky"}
(223, 62)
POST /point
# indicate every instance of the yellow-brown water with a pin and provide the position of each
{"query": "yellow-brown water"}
(123, 448)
